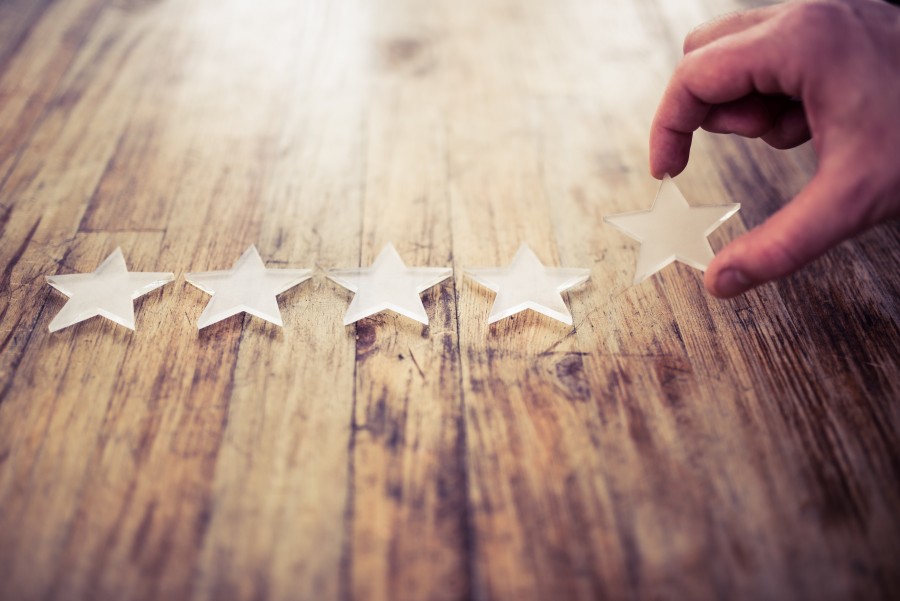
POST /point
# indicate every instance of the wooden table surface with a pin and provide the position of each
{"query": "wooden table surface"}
(668, 446)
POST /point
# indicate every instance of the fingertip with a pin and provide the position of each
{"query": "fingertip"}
(728, 274)
(709, 282)
(695, 38)
(725, 280)
(669, 152)
(656, 170)
(669, 166)
(659, 171)
(671, 171)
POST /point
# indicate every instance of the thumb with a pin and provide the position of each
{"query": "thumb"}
(831, 208)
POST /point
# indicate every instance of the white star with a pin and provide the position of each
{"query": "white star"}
(527, 284)
(109, 291)
(672, 230)
(247, 287)
(388, 285)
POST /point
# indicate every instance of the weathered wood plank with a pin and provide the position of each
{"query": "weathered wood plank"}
(48, 181)
(281, 477)
(668, 445)
(39, 41)
(409, 519)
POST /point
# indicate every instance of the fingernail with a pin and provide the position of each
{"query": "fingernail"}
(732, 282)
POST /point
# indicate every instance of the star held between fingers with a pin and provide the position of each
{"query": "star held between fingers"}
(109, 291)
(672, 230)
(248, 287)
(527, 284)
(388, 285)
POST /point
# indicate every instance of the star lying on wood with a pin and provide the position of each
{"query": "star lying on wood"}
(248, 287)
(388, 285)
(109, 291)
(527, 284)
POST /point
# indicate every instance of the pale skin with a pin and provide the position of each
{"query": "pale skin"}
(826, 70)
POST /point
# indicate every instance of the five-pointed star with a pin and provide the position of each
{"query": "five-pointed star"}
(109, 291)
(672, 230)
(388, 284)
(527, 284)
(247, 287)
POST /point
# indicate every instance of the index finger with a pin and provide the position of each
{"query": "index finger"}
(722, 71)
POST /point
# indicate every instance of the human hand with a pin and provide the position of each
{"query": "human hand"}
(825, 69)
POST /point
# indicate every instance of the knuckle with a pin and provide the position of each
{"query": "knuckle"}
(821, 20)
(680, 74)
(687, 66)
(701, 34)
(683, 67)
(691, 40)
(818, 30)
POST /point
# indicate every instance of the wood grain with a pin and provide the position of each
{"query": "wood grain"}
(668, 446)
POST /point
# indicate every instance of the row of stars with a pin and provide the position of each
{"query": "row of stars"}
(671, 230)
(250, 287)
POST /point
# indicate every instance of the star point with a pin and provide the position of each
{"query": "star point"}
(527, 284)
(388, 285)
(248, 287)
(672, 230)
(109, 291)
